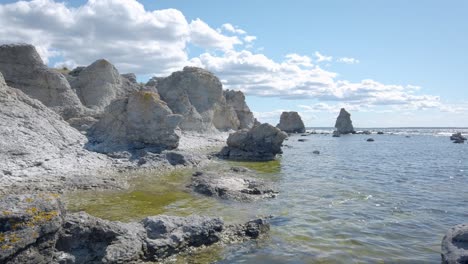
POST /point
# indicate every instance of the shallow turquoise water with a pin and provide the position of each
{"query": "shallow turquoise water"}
(388, 201)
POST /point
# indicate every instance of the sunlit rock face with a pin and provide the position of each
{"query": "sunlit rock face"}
(23, 68)
(197, 95)
(142, 120)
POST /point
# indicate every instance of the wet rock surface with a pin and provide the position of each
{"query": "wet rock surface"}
(261, 143)
(343, 124)
(455, 245)
(291, 122)
(35, 229)
(233, 185)
(458, 138)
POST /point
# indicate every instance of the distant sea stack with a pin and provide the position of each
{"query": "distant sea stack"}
(343, 124)
(291, 122)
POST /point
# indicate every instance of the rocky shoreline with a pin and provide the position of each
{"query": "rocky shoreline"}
(91, 127)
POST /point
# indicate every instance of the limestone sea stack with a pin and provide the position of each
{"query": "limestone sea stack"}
(100, 83)
(23, 68)
(291, 122)
(140, 121)
(343, 124)
(261, 143)
(236, 99)
(197, 95)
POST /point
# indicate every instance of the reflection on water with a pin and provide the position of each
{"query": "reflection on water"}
(389, 201)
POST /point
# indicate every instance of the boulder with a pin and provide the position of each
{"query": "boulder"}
(236, 99)
(232, 186)
(455, 245)
(29, 226)
(291, 122)
(370, 140)
(23, 68)
(458, 138)
(261, 143)
(140, 121)
(100, 83)
(343, 124)
(336, 134)
(197, 95)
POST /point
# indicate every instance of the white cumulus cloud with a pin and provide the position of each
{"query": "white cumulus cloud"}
(348, 60)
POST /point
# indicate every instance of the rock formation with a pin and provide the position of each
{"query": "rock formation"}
(343, 124)
(236, 99)
(231, 186)
(291, 122)
(33, 137)
(455, 245)
(22, 68)
(197, 95)
(36, 229)
(100, 83)
(458, 138)
(140, 121)
(261, 143)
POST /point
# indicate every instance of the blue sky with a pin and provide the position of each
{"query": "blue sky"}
(399, 45)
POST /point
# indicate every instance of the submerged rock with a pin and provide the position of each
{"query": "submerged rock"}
(336, 134)
(291, 122)
(140, 121)
(455, 245)
(370, 140)
(231, 186)
(23, 68)
(343, 124)
(261, 143)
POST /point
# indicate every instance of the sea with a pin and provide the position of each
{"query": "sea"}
(387, 201)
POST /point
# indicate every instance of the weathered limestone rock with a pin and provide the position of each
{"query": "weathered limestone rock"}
(88, 239)
(32, 136)
(29, 225)
(291, 122)
(197, 95)
(100, 83)
(140, 121)
(236, 99)
(231, 186)
(343, 124)
(22, 68)
(260, 143)
(455, 245)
